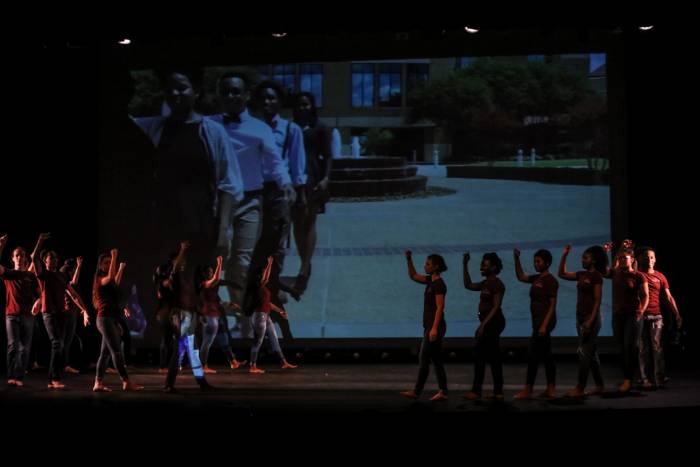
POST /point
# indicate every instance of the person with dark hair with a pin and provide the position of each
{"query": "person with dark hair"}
(208, 280)
(588, 317)
(492, 323)
(434, 324)
(543, 305)
(71, 268)
(262, 323)
(197, 173)
(21, 287)
(182, 319)
(317, 145)
(630, 299)
(53, 286)
(651, 351)
(166, 300)
(289, 139)
(262, 169)
(105, 299)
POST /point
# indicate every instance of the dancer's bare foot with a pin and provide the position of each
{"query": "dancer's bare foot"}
(208, 370)
(523, 395)
(236, 364)
(549, 393)
(575, 393)
(439, 396)
(19, 383)
(99, 387)
(256, 370)
(625, 387)
(131, 386)
(596, 392)
(409, 394)
(56, 385)
(71, 370)
(286, 365)
(472, 396)
(162, 370)
(12, 382)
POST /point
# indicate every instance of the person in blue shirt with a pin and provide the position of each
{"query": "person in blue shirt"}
(260, 161)
(289, 138)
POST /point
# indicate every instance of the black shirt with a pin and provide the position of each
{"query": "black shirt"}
(432, 289)
(185, 179)
(315, 144)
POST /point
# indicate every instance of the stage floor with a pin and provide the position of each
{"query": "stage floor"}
(343, 388)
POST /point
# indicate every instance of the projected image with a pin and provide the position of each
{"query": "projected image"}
(335, 169)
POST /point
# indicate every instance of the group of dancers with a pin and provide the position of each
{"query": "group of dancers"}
(637, 320)
(36, 286)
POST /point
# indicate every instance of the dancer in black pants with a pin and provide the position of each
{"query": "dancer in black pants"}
(543, 304)
(492, 323)
(588, 320)
(434, 326)
(166, 299)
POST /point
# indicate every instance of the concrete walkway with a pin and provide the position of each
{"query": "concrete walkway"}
(359, 286)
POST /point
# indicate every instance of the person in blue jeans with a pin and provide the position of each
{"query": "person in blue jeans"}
(105, 298)
(21, 288)
(263, 325)
(54, 285)
(71, 268)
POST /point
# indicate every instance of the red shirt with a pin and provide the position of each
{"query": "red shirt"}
(543, 290)
(20, 291)
(211, 303)
(185, 296)
(265, 298)
(626, 288)
(108, 300)
(53, 288)
(657, 283)
(585, 299)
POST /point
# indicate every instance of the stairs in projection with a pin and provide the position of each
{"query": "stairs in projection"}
(374, 176)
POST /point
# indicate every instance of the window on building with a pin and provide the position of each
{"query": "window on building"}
(390, 85)
(286, 76)
(362, 85)
(311, 80)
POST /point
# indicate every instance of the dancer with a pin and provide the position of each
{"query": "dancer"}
(588, 319)
(434, 324)
(543, 305)
(492, 323)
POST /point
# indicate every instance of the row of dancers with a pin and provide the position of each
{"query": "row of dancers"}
(186, 299)
(637, 320)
